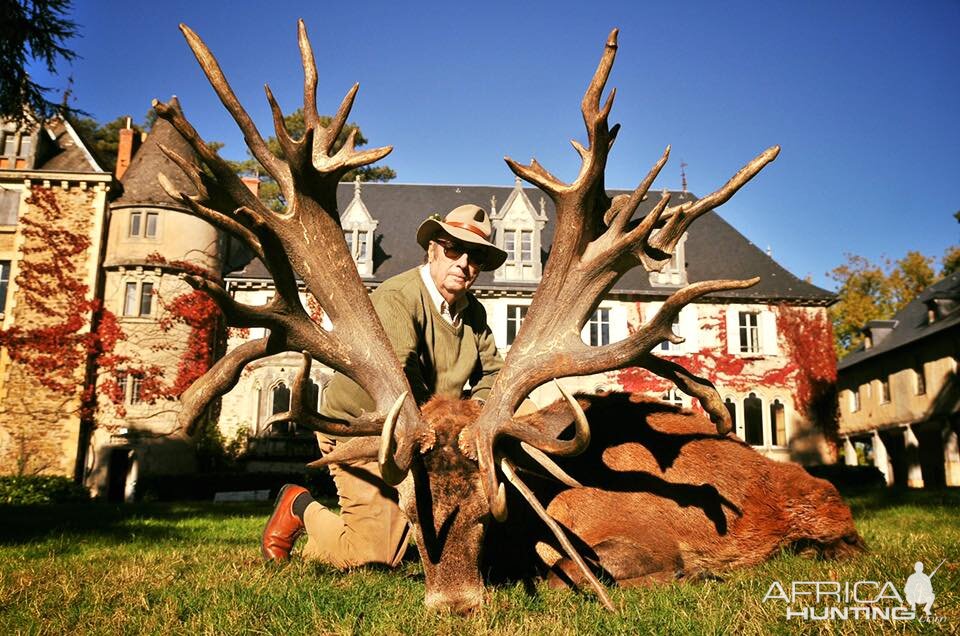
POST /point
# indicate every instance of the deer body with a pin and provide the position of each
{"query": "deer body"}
(665, 496)
(662, 496)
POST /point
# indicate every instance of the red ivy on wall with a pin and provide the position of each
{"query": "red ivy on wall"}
(60, 347)
(808, 364)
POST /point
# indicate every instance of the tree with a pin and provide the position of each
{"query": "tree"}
(950, 261)
(31, 30)
(868, 291)
(270, 192)
(104, 138)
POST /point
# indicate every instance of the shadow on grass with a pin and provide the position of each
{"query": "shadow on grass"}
(144, 521)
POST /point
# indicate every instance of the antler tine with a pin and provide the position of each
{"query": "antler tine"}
(230, 183)
(594, 117)
(547, 443)
(213, 217)
(623, 215)
(700, 388)
(310, 115)
(211, 68)
(219, 379)
(307, 242)
(527, 494)
(538, 176)
(335, 127)
(366, 424)
(681, 217)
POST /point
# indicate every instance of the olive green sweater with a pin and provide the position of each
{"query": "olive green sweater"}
(437, 358)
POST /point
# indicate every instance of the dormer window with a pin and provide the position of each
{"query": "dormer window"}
(517, 226)
(357, 242)
(358, 228)
(674, 272)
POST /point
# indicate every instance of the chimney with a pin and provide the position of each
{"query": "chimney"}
(253, 183)
(125, 148)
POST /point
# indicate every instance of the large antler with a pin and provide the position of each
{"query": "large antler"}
(304, 240)
(596, 242)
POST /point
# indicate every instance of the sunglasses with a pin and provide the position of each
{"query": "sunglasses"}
(454, 250)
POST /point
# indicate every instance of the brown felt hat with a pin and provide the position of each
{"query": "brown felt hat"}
(467, 224)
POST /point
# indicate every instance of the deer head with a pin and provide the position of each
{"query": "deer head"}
(446, 460)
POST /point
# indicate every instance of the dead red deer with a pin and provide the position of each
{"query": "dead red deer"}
(690, 502)
(445, 460)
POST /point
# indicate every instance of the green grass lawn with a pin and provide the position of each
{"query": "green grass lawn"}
(196, 569)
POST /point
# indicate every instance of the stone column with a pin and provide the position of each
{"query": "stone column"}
(880, 458)
(951, 458)
(849, 452)
(911, 447)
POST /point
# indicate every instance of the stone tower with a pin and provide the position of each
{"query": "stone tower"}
(151, 244)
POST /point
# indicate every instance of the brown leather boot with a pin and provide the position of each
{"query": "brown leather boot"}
(284, 527)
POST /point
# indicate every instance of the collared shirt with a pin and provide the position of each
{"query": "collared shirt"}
(451, 315)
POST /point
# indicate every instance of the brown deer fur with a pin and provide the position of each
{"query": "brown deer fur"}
(664, 497)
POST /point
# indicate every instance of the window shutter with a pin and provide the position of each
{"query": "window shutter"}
(690, 329)
(733, 330)
(618, 323)
(768, 333)
(499, 324)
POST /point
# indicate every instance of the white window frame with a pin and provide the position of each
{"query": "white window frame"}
(919, 379)
(687, 326)
(143, 219)
(136, 311)
(674, 272)
(768, 431)
(674, 396)
(5, 268)
(516, 312)
(767, 344)
(764, 417)
(594, 328)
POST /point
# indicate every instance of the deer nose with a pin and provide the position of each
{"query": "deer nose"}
(460, 602)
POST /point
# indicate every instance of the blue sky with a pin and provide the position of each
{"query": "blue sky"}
(863, 97)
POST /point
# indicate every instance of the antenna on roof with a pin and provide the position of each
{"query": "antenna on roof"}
(683, 175)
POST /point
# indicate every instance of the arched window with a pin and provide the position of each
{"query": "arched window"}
(778, 424)
(732, 409)
(256, 408)
(753, 420)
(313, 394)
(281, 403)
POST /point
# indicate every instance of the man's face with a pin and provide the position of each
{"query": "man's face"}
(454, 266)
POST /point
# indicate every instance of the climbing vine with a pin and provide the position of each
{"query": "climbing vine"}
(64, 339)
(806, 366)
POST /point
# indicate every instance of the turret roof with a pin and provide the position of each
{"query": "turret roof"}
(141, 185)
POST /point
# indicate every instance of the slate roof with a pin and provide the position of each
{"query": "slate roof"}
(714, 249)
(912, 322)
(140, 183)
(72, 155)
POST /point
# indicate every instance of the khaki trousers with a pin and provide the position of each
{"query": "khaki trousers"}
(370, 527)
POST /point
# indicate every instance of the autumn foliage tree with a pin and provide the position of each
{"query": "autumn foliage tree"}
(876, 291)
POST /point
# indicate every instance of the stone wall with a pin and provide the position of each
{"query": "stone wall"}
(40, 423)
